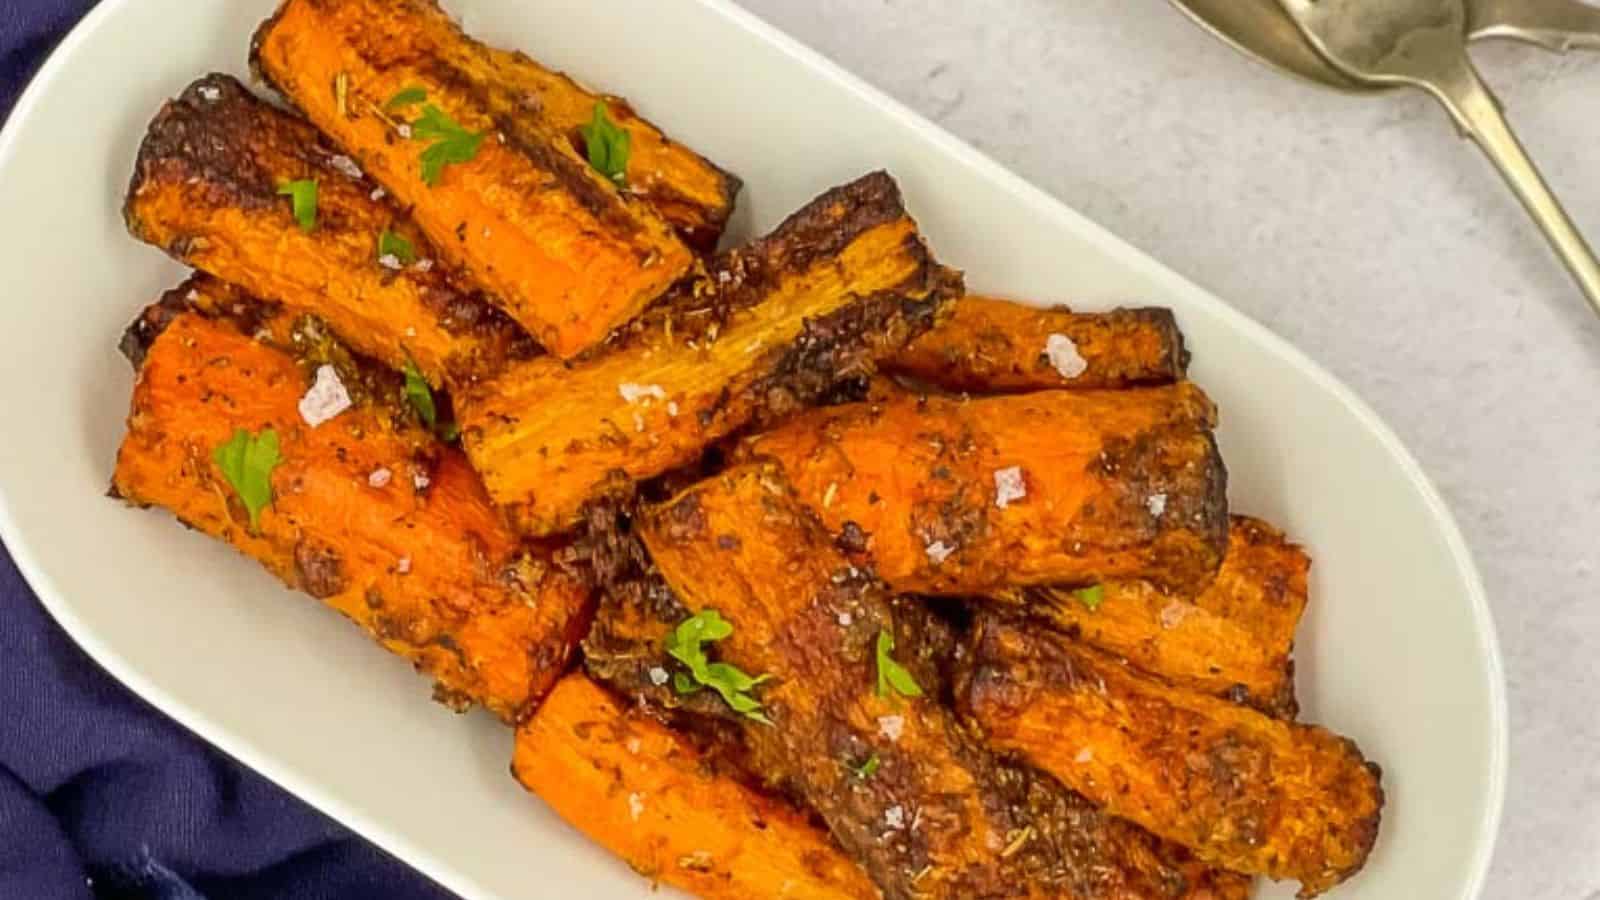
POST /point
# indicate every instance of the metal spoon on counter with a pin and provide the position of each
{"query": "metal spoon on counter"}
(1370, 45)
(1261, 29)
(1423, 44)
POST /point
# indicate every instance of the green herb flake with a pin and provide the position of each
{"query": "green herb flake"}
(302, 196)
(686, 644)
(1091, 596)
(393, 245)
(891, 675)
(410, 96)
(247, 462)
(419, 394)
(451, 145)
(609, 144)
(867, 769)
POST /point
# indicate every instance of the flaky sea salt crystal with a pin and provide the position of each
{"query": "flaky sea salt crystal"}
(939, 551)
(326, 399)
(633, 393)
(1173, 614)
(1009, 486)
(380, 477)
(1157, 504)
(891, 727)
(658, 676)
(1064, 356)
(345, 166)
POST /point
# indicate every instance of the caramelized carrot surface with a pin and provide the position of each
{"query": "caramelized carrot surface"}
(554, 242)
(959, 497)
(997, 346)
(1244, 791)
(368, 513)
(692, 194)
(928, 811)
(206, 190)
(843, 282)
(647, 794)
(1235, 639)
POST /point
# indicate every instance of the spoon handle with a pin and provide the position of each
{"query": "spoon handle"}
(1557, 24)
(1481, 118)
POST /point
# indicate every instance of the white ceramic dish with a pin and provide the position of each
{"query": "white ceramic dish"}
(1398, 650)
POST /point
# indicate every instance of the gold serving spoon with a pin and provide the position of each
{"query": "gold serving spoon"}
(1261, 29)
(1423, 44)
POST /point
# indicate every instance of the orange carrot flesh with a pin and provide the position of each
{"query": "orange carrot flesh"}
(1235, 639)
(368, 514)
(958, 497)
(648, 795)
(937, 816)
(693, 195)
(996, 346)
(564, 252)
(1245, 791)
(844, 282)
(205, 189)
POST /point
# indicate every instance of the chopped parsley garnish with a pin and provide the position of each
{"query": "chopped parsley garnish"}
(867, 769)
(892, 675)
(391, 244)
(452, 144)
(302, 196)
(609, 145)
(420, 395)
(686, 644)
(410, 96)
(1091, 596)
(247, 461)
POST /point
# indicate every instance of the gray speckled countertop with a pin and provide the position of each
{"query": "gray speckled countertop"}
(1365, 232)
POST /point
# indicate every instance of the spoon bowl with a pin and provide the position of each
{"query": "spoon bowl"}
(1262, 30)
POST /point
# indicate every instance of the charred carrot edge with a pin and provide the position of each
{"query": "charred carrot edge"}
(935, 815)
(206, 187)
(554, 242)
(840, 284)
(958, 497)
(645, 793)
(369, 515)
(997, 346)
(1234, 640)
(691, 193)
(1245, 791)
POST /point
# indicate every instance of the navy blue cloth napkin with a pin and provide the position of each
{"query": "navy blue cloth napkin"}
(102, 796)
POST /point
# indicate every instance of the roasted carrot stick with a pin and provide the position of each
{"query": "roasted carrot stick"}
(952, 496)
(496, 184)
(368, 513)
(692, 194)
(996, 346)
(1245, 791)
(647, 794)
(910, 794)
(842, 283)
(206, 190)
(1235, 639)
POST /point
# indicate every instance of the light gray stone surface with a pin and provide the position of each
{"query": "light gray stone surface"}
(1365, 232)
